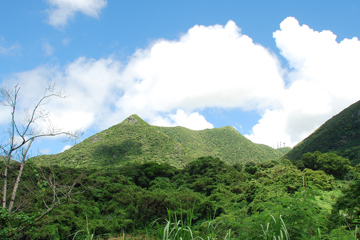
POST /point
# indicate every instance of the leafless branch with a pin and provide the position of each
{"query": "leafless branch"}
(21, 136)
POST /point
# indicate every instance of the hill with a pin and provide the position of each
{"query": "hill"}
(340, 134)
(136, 141)
(284, 150)
(225, 143)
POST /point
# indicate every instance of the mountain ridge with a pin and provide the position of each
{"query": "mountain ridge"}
(136, 141)
(339, 134)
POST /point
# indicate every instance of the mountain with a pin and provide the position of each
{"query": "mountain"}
(284, 150)
(225, 143)
(136, 141)
(340, 134)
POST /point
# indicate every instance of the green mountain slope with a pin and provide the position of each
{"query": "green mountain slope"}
(284, 150)
(135, 141)
(225, 143)
(340, 134)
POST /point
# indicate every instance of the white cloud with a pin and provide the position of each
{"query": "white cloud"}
(324, 80)
(62, 11)
(90, 85)
(193, 121)
(270, 129)
(66, 147)
(48, 48)
(213, 66)
(169, 82)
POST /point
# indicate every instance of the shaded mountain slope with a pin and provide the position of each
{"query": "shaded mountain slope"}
(340, 134)
(135, 141)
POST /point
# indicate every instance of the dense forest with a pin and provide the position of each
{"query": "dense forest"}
(137, 181)
(340, 134)
(207, 199)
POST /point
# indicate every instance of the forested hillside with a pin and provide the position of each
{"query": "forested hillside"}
(340, 134)
(135, 141)
(207, 199)
(226, 143)
(139, 181)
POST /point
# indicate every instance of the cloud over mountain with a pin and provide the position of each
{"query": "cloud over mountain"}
(323, 80)
(169, 82)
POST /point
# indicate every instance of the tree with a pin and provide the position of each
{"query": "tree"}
(328, 162)
(334, 164)
(21, 135)
(346, 210)
(310, 160)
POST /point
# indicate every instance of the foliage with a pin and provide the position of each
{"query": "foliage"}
(327, 162)
(225, 143)
(340, 135)
(277, 232)
(169, 183)
(284, 150)
(39, 194)
(12, 223)
(135, 141)
(318, 178)
(346, 211)
(208, 199)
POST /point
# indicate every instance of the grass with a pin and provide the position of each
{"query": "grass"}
(182, 229)
(87, 236)
(279, 232)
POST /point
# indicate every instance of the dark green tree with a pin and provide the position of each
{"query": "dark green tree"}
(333, 164)
(330, 163)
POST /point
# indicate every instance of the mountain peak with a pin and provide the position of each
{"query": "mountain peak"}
(134, 120)
(136, 141)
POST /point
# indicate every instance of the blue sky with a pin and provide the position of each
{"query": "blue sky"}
(274, 70)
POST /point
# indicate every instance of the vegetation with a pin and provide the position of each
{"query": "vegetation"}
(330, 163)
(135, 141)
(15, 144)
(340, 134)
(207, 199)
(224, 143)
(146, 182)
(284, 150)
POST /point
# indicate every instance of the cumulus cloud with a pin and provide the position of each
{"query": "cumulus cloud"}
(62, 11)
(214, 66)
(88, 82)
(169, 82)
(324, 79)
(193, 121)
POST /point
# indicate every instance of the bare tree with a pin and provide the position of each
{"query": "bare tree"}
(21, 134)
